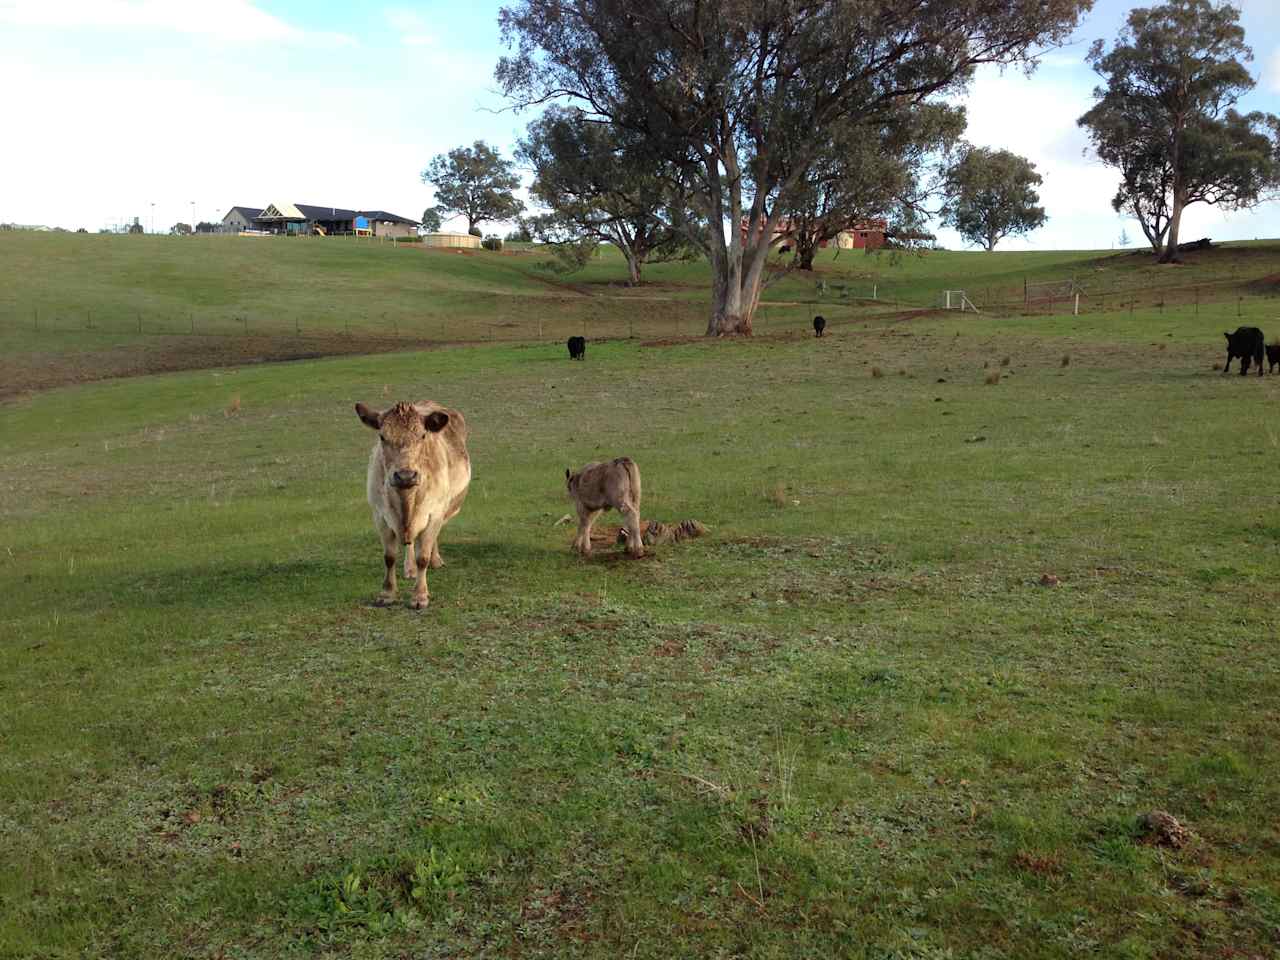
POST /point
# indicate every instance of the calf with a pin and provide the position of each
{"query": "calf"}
(577, 348)
(1247, 344)
(597, 487)
(819, 324)
(1273, 356)
(418, 475)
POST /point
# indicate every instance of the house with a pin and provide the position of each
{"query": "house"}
(305, 219)
(385, 224)
(858, 235)
(866, 234)
(240, 218)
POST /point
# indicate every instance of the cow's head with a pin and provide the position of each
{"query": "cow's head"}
(570, 480)
(402, 437)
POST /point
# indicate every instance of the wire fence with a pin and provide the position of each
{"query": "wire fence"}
(533, 319)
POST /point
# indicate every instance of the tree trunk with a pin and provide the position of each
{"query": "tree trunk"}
(633, 270)
(1171, 238)
(806, 246)
(732, 306)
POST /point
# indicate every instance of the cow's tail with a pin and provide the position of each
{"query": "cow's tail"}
(409, 572)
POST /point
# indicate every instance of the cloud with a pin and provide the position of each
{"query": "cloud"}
(238, 20)
(411, 26)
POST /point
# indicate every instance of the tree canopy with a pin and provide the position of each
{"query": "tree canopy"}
(474, 182)
(991, 194)
(742, 97)
(431, 220)
(1165, 117)
(881, 176)
(599, 186)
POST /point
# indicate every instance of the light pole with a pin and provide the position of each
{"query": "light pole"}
(153, 217)
(193, 217)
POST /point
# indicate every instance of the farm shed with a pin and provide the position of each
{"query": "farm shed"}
(450, 240)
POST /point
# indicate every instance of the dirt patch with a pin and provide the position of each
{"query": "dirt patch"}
(27, 373)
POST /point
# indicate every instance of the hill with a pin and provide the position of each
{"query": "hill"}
(77, 307)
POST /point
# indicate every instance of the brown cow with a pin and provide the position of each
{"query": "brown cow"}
(597, 487)
(418, 476)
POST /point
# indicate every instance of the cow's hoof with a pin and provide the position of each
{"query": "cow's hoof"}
(384, 599)
(419, 603)
(437, 562)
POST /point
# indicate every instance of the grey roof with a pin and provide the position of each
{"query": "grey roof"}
(391, 217)
(312, 212)
(325, 213)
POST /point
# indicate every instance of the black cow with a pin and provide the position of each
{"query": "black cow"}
(578, 348)
(819, 324)
(1247, 344)
(1273, 356)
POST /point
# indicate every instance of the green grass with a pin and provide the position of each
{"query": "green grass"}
(852, 723)
(94, 286)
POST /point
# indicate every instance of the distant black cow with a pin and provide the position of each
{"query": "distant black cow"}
(578, 348)
(819, 324)
(1246, 343)
(1273, 356)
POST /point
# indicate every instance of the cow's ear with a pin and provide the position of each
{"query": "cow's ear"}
(370, 418)
(435, 421)
(567, 473)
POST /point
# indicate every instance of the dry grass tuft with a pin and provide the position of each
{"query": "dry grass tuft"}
(777, 495)
(233, 407)
(992, 378)
(1066, 359)
(902, 371)
(877, 372)
(1217, 366)
(1006, 361)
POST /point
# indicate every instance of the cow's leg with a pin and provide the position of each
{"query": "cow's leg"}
(631, 517)
(1226, 367)
(424, 546)
(391, 556)
(1258, 358)
(582, 543)
(1244, 365)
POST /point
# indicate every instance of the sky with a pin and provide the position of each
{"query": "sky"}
(165, 109)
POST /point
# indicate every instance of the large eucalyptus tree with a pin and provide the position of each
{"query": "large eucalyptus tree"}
(743, 96)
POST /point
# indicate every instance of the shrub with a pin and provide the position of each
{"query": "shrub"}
(993, 378)
(492, 242)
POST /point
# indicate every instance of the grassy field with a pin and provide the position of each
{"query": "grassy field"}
(945, 642)
(86, 307)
